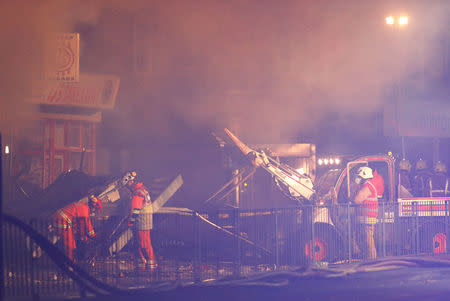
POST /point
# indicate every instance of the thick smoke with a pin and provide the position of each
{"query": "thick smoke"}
(275, 71)
(26, 28)
(272, 71)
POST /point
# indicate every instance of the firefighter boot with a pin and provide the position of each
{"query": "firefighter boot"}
(140, 265)
(151, 265)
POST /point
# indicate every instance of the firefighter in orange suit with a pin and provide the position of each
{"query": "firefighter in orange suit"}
(367, 197)
(73, 223)
(141, 221)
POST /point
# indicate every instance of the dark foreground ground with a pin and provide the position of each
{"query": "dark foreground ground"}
(388, 279)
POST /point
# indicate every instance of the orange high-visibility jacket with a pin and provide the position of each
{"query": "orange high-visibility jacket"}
(369, 205)
(75, 216)
(141, 207)
(378, 181)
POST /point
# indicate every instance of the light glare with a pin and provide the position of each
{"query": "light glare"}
(6, 149)
(403, 20)
(390, 20)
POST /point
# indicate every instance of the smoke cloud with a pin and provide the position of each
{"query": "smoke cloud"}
(272, 71)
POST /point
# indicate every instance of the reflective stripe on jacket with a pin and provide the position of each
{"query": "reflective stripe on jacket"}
(76, 216)
(369, 205)
(141, 207)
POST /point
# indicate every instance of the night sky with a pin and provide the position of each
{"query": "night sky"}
(274, 72)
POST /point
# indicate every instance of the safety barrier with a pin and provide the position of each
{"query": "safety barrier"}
(193, 247)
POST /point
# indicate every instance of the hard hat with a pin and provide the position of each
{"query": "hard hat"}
(404, 165)
(95, 204)
(365, 172)
(129, 176)
(421, 164)
(440, 167)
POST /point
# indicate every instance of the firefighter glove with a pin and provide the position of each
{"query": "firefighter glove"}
(132, 220)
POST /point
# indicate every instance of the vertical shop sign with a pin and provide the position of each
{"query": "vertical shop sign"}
(62, 58)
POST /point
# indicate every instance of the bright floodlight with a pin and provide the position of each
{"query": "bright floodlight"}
(320, 161)
(6, 149)
(337, 161)
(325, 161)
(403, 20)
(390, 20)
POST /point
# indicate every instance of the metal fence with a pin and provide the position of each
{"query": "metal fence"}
(194, 246)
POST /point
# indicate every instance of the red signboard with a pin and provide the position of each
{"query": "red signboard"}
(93, 90)
(424, 207)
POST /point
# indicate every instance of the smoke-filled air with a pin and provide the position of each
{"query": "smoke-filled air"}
(271, 70)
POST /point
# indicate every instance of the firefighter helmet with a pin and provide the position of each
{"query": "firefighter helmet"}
(128, 177)
(421, 164)
(404, 165)
(440, 167)
(95, 204)
(365, 172)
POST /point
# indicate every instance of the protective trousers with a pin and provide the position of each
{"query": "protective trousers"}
(371, 251)
(68, 239)
(146, 256)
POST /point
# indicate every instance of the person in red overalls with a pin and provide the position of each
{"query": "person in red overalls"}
(141, 221)
(73, 223)
(367, 197)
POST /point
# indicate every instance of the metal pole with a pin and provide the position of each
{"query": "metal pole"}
(313, 238)
(51, 151)
(403, 148)
(349, 229)
(383, 225)
(197, 267)
(2, 283)
(435, 150)
(446, 225)
(237, 189)
(397, 229)
(277, 255)
(416, 226)
(34, 293)
(237, 216)
(83, 152)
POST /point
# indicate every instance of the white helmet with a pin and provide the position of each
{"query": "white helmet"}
(129, 176)
(365, 172)
(404, 165)
(421, 164)
(440, 167)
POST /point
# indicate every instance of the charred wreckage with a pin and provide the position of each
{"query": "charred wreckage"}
(318, 230)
